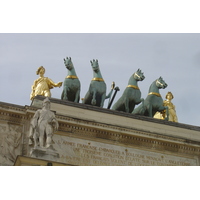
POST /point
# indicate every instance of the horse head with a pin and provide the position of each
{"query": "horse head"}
(139, 75)
(160, 83)
(68, 63)
(95, 65)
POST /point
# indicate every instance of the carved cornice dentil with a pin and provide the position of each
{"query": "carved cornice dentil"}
(75, 127)
(124, 136)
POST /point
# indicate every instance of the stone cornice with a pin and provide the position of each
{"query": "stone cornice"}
(124, 139)
(118, 113)
(7, 107)
(13, 107)
(102, 132)
(88, 128)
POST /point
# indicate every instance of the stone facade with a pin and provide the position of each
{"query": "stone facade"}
(90, 135)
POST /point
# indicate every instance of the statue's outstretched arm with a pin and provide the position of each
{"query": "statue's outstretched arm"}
(59, 84)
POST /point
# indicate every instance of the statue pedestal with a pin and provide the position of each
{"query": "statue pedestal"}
(44, 153)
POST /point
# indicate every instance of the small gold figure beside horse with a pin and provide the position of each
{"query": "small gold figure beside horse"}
(172, 111)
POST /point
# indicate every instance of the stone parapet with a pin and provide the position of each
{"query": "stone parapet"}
(90, 135)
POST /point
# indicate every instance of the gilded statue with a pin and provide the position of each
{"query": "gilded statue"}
(171, 107)
(43, 125)
(42, 85)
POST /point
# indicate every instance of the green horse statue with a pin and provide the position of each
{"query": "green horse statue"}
(153, 101)
(131, 95)
(96, 94)
(71, 86)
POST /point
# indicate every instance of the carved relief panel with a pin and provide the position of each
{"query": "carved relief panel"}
(10, 142)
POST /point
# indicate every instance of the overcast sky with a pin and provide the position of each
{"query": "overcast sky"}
(175, 57)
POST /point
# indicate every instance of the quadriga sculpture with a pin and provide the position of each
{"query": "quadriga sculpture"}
(71, 86)
(96, 94)
(153, 101)
(131, 95)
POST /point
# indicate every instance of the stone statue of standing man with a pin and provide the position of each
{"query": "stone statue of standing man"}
(43, 125)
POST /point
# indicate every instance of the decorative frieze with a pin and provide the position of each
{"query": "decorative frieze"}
(84, 141)
(78, 151)
(128, 137)
(10, 142)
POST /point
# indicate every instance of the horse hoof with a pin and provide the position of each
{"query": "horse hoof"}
(93, 102)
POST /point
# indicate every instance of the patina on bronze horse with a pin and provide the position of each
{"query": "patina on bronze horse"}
(131, 95)
(153, 101)
(71, 86)
(96, 94)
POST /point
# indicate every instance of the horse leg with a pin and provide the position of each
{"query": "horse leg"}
(77, 96)
(150, 110)
(86, 99)
(141, 100)
(64, 95)
(93, 102)
(126, 105)
(103, 97)
(162, 108)
(109, 95)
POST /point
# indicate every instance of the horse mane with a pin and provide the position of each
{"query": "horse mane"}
(152, 85)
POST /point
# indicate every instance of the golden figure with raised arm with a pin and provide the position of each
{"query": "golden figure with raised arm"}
(172, 111)
(42, 85)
